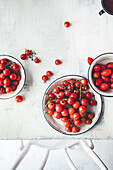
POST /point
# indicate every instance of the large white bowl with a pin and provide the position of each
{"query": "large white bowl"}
(101, 59)
(21, 82)
(57, 124)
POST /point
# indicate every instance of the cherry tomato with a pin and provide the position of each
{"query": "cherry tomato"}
(106, 72)
(105, 78)
(2, 66)
(6, 81)
(8, 89)
(15, 67)
(66, 24)
(84, 102)
(83, 119)
(90, 60)
(64, 112)
(82, 114)
(88, 121)
(85, 88)
(63, 102)
(70, 100)
(96, 68)
(49, 73)
(56, 90)
(98, 82)
(82, 109)
(73, 95)
(70, 87)
(45, 78)
(3, 90)
(71, 81)
(18, 77)
(109, 65)
(61, 87)
(77, 122)
(111, 80)
(67, 123)
(92, 102)
(48, 101)
(82, 95)
(36, 60)
(77, 84)
(76, 105)
(59, 108)
(83, 81)
(13, 88)
(104, 86)
(50, 112)
(102, 67)
(1, 82)
(96, 75)
(6, 72)
(76, 116)
(12, 76)
(111, 85)
(75, 129)
(111, 75)
(71, 110)
(90, 115)
(51, 95)
(2, 76)
(3, 61)
(88, 95)
(51, 105)
(65, 82)
(27, 52)
(15, 83)
(57, 101)
(5, 86)
(23, 56)
(63, 119)
(61, 94)
(19, 99)
(57, 115)
(67, 93)
(68, 129)
(57, 62)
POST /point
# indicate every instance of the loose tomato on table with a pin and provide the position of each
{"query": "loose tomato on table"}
(49, 73)
(23, 56)
(44, 78)
(19, 99)
(67, 24)
(57, 62)
(28, 52)
(90, 60)
(37, 60)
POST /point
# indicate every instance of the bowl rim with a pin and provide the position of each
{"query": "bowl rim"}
(89, 71)
(74, 134)
(24, 78)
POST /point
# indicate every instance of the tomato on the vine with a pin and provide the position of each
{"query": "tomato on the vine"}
(65, 82)
(23, 56)
(64, 112)
(59, 108)
(51, 95)
(84, 102)
(2, 76)
(56, 90)
(51, 105)
(67, 93)
(74, 95)
(83, 81)
(50, 112)
(67, 123)
(57, 115)
(76, 104)
(28, 52)
(36, 60)
(63, 102)
(6, 72)
(68, 129)
(15, 83)
(61, 94)
(70, 100)
(71, 110)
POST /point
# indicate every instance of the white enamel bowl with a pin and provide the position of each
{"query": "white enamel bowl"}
(57, 124)
(21, 82)
(101, 59)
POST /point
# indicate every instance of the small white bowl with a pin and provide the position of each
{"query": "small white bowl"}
(21, 82)
(101, 59)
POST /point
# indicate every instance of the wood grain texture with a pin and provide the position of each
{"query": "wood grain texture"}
(38, 25)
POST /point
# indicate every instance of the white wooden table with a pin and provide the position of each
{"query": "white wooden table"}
(38, 25)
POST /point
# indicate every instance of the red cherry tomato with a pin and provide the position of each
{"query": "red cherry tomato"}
(70, 87)
(64, 112)
(88, 95)
(96, 68)
(2, 76)
(1, 82)
(23, 56)
(109, 65)
(67, 93)
(111, 80)
(66, 24)
(90, 115)
(75, 129)
(83, 81)
(63, 119)
(61, 94)
(102, 67)
(98, 82)
(88, 121)
(85, 88)
(15, 67)
(73, 95)
(50, 112)
(6, 72)
(57, 101)
(104, 86)
(59, 108)
(13, 88)
(45, 78)
(77, 84)
(82, 95)
(70, 100)
(49, 73)
(12, 76)
(71, 81)
(92, 102)
(36, 60)
(51, 105)
(77, 122)
(65, 82)
(67, 123)
(96, 75)
(83, 119)
(3, 61)
(61, 87)
(84, 102)
(76, 105)
(27, 52)
(111, 85)
(8, 89)
(56, 90)
(57, 115)
(90, 60)
(51, 95)
(6, 81)
(111, 75)
(57, 62)
(105, 78)
(18, 77)
(82, 109)
(68, 129)
(63, 102)
(19, 99)
(71, 110)
(2, 66)
(15, 83)
(76, 116)
(106, 72)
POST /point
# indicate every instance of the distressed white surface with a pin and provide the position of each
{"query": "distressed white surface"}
(38, 25)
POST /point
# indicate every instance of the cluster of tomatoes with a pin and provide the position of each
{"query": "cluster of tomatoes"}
(69, 103)
(30, 54)
(9, 76)
(103, 76)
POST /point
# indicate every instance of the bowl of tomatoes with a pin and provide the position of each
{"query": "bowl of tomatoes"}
(12, 76)
(71, 106)
(100, 74)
